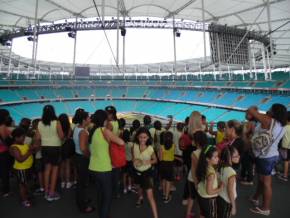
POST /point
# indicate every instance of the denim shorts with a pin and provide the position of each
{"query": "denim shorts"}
(265, 166)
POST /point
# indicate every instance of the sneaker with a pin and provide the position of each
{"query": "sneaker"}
(247, 183)
(129, 188)
(39, 191)
(62, 185)
(5, 195)
(139, 202)
(46, 195)
(26, 204)
(167, 200)
(173, 188)
(258, 210)
(254, 201)
(69, 185)
(53, 197)
(125, 191)
(184, 202)
(189, 216)
(283, 178)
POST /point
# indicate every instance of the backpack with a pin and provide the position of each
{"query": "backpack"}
(262, 140)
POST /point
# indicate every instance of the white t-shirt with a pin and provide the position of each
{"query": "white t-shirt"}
(197, 154)
(277, 132)
(226, 173)
(176, 137)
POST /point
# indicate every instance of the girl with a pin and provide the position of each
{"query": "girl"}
(166, 157)
(178, 153)
(226, 201)
(201, 141)
(100, 162)
(127, 172)
(208, 187)
(143, 159)
(22, 154)
(67, 152)
(82, 154)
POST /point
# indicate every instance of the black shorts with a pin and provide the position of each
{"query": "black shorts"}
(144, 179)
(167, 170)
(51, 155)
(38, 165)
(284, 154)
(178, 161)
(129, 169)
(67, 149)
(192, 190)
(223, 208)
(23, 176)
(208, 207)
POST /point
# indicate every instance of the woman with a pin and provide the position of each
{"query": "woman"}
(100, 162)
(80, 137)
(274, 120)
(50, 134)
(4, 152)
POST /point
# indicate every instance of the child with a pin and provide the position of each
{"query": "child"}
(127, 171)
(219, 134)
(286, 149)
(22, 163)
(208, 187)
(143, 159)
(226, 201)
(166, 156)
(178, 153)
(201, 141)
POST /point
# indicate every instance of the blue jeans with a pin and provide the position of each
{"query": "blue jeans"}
(266, 165)
(104, 191)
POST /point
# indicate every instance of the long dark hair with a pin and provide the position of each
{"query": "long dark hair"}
(48, 115)
(226, 157)
(200, 139)
(98, 119)
(135, 125)
(65, 124)
(76, 117)
(146, 131)
(167, 139)
(202, 165)
(279, 113)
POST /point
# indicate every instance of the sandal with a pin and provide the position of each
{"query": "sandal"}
(258, 210)
(254, 202)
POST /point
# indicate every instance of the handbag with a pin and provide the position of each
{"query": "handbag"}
(117, 154)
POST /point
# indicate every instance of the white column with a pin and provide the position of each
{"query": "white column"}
(118, 32)
(264, 62)
(75, 49)
(9, 64)
(34, 35)
(124, 42)
(203, 30)
(174, 45)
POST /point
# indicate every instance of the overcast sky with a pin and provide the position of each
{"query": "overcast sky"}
(142, 46)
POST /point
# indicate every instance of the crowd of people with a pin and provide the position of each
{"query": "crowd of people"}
(208, 161)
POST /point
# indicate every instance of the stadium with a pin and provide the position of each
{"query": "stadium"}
(242, 59)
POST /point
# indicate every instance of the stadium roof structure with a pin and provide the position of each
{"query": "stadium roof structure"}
(268, 17)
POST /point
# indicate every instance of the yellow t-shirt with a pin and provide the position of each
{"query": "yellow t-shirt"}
(142, 156)
(201, 187)
(27, 164)
(286, 138)
(226, 173)
(219, 137)
(168, 155)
